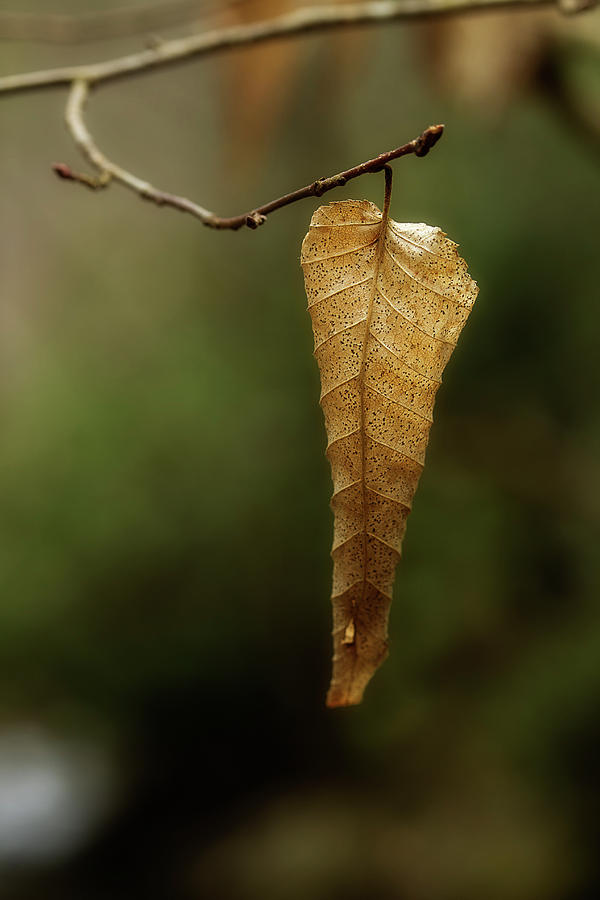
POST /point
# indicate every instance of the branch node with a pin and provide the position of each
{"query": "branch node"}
(94, 182)
(255, 219)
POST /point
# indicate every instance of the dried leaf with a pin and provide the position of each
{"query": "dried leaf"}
(387, 302)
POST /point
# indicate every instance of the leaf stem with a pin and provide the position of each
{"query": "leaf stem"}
(389, 175)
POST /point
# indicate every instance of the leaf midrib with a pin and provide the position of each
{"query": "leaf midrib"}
(362, 428)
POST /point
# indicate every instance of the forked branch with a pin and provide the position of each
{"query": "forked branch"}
(299, 21)
(108, 170)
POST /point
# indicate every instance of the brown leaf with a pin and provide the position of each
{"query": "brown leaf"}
(387, 302)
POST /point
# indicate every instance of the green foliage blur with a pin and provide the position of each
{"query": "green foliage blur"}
(165, 528)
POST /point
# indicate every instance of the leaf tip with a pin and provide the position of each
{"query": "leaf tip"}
(338, 698)
(352, 672)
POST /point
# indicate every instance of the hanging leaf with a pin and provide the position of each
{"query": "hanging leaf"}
(387, 302)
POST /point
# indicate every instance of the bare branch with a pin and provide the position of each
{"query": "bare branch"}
(168, 52)
(109, 170)
(300, 21)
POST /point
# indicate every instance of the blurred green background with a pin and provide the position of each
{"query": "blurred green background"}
(165, 530)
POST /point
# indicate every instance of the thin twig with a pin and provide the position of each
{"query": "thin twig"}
(252, 219)
(95, 182)
(300, 21)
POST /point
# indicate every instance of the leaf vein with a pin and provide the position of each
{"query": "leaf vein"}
(398, 403)
(336, 333)
(428, 287)
(356, 584)
(407, 240)
(410, 322)
(339, 291)
(396, 355)
(369, 534)
(308, 262)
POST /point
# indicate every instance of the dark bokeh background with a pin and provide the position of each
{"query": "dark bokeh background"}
(165, 531)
